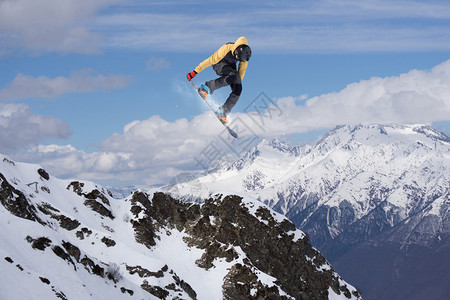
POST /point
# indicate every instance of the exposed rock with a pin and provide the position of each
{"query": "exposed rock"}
(143, 227)
(63, 255)
(220, 225)
(40, 243)
(67, 223)
(99, 208)
(44, 174)
(96, 194)
(44, 280)
(155, 290)
(47, 208)
(74, 251)
(8, 259)
(124, 290)
(242, 283)
(71, 251)
(45, 189)
(77, 187)
(84, 231)
(142, 272)
(60, 295)
(108, 242)
(16, 202)
(92, 196)
(64, 222)
(92, 267)
(185, 287)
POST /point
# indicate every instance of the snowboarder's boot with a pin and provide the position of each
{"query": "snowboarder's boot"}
(222, 115)
(204, 91)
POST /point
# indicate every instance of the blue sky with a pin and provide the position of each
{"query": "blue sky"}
(97, 90)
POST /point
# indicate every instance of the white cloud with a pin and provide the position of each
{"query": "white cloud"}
(157, 64)
(154, 150)
(156, 141)
(83, 81)
(414, 97)
(50, 25)
(83, 26)
(149, 151)
(19, 127)
(302, 27)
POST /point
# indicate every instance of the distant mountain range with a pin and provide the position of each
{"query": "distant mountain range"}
(63, 239)
(374, 199)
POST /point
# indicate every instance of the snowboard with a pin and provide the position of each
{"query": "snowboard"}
(231, 131)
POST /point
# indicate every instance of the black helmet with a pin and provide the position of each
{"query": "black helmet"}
(243, 53)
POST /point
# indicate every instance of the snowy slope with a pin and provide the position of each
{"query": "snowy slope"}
(41, 271)
(71, 239)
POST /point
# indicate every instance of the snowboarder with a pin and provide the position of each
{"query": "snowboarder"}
(223, 62)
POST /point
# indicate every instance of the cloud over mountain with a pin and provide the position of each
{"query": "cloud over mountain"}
(157, 149)
(19, 127)
(418, 96)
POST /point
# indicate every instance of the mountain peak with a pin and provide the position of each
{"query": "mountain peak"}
(385, 185)
(278, 145)
(265, 150)
(376, 134)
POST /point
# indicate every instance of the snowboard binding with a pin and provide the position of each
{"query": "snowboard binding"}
(204, 92)
(222, 115)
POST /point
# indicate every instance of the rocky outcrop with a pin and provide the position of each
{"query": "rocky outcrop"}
(16, 202)
(95, 199)
(225, 228)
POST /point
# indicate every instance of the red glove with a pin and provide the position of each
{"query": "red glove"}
(191, 75)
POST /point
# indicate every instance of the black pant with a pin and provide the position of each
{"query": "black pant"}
(228, 76)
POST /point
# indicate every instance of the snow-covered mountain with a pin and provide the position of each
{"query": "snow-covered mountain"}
(359, 184)
(67, 239)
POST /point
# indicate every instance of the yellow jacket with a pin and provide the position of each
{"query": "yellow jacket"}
(221, 53)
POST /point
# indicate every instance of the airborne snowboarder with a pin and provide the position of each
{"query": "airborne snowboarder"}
(223, 62)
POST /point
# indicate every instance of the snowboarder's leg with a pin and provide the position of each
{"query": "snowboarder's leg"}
(234, 81)
(216, 84)
(224, 70)
(229, 76)
(221, 81)
(236, 89)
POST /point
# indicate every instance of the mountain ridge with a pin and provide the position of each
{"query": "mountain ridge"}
(71, 239)
(360, 188)
(294, 179)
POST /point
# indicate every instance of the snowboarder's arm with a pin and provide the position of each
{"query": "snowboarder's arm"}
(241, 69)
(214, 58)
